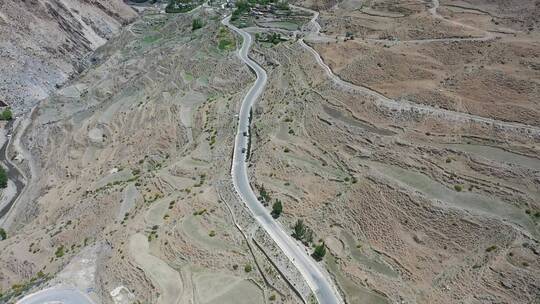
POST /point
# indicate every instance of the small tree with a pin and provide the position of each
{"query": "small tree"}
(277, 208)
(3, 234)
(319, 252)
(264, 196)
(283, 5)
(196, 24)
(308, 236)
(6, 114)
(299, 230)
(59, 251)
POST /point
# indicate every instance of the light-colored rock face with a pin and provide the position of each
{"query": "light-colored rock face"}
(43, 42)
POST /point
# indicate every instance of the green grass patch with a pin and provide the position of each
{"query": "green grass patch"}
(6, 114)
(226, 45)
(59, 251)
(226, 40)
(151, 38)
(196, 24)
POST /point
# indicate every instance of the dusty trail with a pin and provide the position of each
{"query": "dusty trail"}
(435, 14)
(314, 35)
(404, 105)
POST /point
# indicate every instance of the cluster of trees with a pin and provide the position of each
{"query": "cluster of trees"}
(273, 38)
(304, 234)
(242, 7)
(179, 6)
(264, 196)
(301, 231)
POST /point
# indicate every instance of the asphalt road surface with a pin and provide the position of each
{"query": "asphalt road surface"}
(320, 284)
(13, 173)
(56, 295)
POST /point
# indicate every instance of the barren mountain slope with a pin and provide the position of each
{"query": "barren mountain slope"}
(452, 55)
(43, 42)
(404, 160)
(126, 197)
(413, 208)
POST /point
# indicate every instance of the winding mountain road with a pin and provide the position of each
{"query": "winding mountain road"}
(319, 282)
(13, 173)
(321, 285)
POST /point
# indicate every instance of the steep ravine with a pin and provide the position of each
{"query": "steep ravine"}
(44, 42)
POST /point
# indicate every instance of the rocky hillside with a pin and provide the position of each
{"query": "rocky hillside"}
(43, 42)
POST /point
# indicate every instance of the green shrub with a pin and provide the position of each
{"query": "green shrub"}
(264, 195)
(247, 268)
(196, 24)
(3, 234)
(6, 114)
(200, 212)
(59, 252)
(225, 44)
(491, 248)
(319, 252)
(458, 188)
